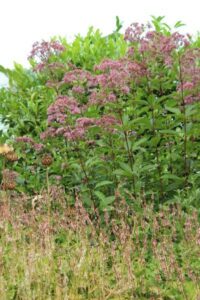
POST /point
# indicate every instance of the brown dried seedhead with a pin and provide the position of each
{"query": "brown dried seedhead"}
(47, 160)
(11, 156)
(8, 185)
(8, 179)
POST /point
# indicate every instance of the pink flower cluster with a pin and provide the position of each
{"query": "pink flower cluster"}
(134, 32)
(115, 78)
(54, 69)
(164, 49)
(49, 132)
(53, 84)
(28, 140)
(80, 128)
(79, 81)
(118, 74)
(75, 133)
(114, 74)
(85, 122)
(70, 132)
(108, 122)
(189, 75)
(79, 76)
(44, 49)
(101, 98)
(57, 112)
(155, 44)
(186, 86)
(24, 139)
(190, 65)
(79, 90)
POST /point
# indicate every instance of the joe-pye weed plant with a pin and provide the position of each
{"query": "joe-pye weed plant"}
(98, 184)
(128, 123)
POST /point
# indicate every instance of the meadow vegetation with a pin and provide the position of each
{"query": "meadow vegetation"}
(100, 167)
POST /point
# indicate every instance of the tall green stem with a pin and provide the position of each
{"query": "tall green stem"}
(86, 179)
(159, 168)
(129, 153)
(48, 196)
(184, 124)
(113, 159)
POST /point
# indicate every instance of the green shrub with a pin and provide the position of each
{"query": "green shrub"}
(121, 114)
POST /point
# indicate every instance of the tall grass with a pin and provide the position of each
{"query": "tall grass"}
(127, 254)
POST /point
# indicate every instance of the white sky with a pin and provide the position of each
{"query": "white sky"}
(22, 22)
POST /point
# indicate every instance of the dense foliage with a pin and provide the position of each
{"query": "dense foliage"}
(100, 168)
(122, 114)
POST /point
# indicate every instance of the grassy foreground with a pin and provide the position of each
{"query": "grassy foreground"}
(127, 254)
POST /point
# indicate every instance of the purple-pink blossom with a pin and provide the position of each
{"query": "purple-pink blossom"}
(43, 50)
(117, 75)
(186, 86)
(38, 147)
(28, 140)
(77, 76)
(49, 132)
(24, 139)
(78, 90)
(108, 122)
(85, 122)
(57, 111)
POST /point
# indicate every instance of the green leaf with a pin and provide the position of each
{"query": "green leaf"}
(172, 177)
(125, 171)
(179, 24)
(173, 110)
(104, 201)
(103, 183)
(155, 140)
(100, 195)
(136, 145)
(126, 168)
(168, 131)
